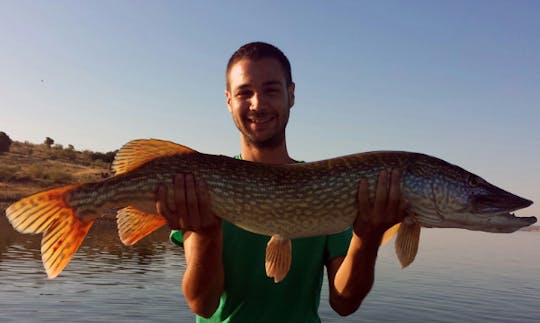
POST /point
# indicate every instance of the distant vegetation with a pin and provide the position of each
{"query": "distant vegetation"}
(5, 142)
(26, 167)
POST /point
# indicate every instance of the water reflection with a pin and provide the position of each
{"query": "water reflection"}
(457, 276)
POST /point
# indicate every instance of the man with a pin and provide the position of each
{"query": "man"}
(225, 278)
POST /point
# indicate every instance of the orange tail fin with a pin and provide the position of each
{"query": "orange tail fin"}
(48, 213)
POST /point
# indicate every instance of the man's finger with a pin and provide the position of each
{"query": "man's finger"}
(394, 195)
(192, 203)
(204, 203)
(381, 192)
(163, 209)
(395, 185)
(180, 199)
(363, 198)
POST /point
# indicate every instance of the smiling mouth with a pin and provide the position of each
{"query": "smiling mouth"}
(260, 120)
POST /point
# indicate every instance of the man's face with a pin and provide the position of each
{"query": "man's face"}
(259, 100)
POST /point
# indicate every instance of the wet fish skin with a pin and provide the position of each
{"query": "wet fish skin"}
(285, 201)
(313, 198)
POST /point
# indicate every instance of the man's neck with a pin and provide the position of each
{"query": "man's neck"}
(274, 155)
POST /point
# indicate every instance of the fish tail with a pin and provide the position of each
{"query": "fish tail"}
(63, 231)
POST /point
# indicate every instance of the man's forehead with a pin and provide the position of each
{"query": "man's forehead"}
(265, 71)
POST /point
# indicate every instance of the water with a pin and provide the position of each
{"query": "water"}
(457, 276)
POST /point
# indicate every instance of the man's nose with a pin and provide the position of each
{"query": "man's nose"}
(258, 102)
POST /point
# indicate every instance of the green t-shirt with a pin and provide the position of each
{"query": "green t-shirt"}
(250, 296)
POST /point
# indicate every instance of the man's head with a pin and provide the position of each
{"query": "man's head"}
(258, 50)
(260, 93)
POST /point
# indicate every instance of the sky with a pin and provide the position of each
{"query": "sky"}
(459, 80)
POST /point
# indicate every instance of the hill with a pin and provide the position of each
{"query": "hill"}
(27, 168)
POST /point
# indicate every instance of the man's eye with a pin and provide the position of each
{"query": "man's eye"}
(272, 91)
(243, 94)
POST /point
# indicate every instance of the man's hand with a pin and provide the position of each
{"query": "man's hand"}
(191, 210)
(387, 209)
(204, 277)
(351, 277)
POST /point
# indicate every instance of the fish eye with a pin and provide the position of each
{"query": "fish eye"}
(474, 180)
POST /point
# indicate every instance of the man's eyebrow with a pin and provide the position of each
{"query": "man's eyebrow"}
(242, 86)
(275, 82)
(267, 83)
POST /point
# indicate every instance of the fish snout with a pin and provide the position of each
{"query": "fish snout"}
(502, 201)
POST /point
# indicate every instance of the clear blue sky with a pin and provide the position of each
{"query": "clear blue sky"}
(455, 79)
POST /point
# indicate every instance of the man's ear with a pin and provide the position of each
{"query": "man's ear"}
(290, 90)
(228, 98)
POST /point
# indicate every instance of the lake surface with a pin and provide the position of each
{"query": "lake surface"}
(457, 276)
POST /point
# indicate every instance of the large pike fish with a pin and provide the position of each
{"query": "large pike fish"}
(281, 201)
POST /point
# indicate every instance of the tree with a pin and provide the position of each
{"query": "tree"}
(5, 142)
(49, 142)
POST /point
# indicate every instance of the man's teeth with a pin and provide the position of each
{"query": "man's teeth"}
(260, 120)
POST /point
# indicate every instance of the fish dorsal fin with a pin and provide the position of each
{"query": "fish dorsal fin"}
(278, 258)
(407, 241)
(137, 152)
(390, 233)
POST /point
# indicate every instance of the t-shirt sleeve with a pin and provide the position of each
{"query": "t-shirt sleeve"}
(177, 237)
(337, 244)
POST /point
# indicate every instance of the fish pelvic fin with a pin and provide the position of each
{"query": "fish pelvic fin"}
(390, 233)
(133, 224)
(138, 152)
(278, 258)
(63, 231)
(407, 241)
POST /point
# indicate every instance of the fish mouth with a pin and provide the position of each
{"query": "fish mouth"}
(497, 212)
(495, 203)
(505, 222)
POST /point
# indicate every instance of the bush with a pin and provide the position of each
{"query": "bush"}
(8, 173)
(59, 177)
(5, 142)
(50, 176)
(105, 157)
(49, 142)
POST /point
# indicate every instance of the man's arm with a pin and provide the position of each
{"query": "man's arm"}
(351, 277)
(203, 243)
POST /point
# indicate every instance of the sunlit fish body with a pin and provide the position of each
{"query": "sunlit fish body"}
(281, 201)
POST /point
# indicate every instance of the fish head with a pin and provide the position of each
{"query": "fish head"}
(447, 196)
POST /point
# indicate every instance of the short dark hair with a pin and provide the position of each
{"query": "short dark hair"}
(260, 50)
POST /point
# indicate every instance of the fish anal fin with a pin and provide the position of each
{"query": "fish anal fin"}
(133, 224)
(278, 258)
(390, 233)
(137, 152)
(407, 241)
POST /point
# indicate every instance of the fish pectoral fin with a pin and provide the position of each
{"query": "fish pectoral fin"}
(390, 233)
(407, 241)
(137, 152)
(133, 224)
(278, 258)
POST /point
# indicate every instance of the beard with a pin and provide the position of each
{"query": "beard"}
(274, 140)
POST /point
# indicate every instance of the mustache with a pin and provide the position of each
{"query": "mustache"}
(258, 115)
